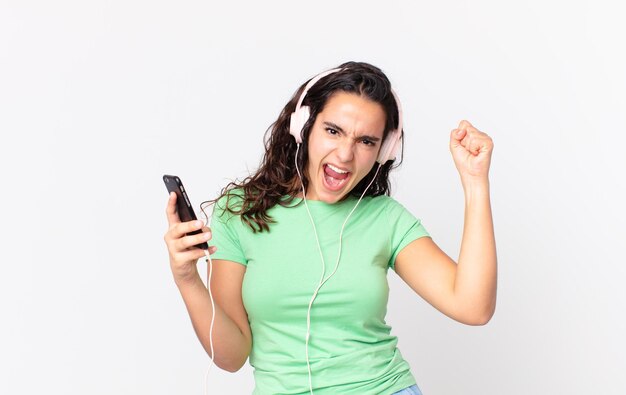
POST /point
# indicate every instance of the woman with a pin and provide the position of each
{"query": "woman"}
(302, 247)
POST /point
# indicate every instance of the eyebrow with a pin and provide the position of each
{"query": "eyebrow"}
(337, 127)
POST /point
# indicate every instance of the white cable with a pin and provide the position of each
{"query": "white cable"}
(206, 377)
(310, 217)
(319, 248)
(322, 280)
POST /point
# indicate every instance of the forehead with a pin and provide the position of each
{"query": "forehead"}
(354, 113)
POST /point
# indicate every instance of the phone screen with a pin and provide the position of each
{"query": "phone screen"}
(183, 204)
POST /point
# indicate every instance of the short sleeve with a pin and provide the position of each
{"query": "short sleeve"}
(405, 228)
(224, 227)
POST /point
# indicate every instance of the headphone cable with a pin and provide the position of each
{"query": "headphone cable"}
(209, 262)
(322, 280)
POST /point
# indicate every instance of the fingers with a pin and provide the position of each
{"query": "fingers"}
(170, 210)
(469, 142)
(470, 138)
(189, 241)
(465, 125)
(194, 254)
(178, 231)
(191, 255)
(457, 135)
(461, 132)
(182, 247)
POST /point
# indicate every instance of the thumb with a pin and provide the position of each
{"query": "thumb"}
(456, 136)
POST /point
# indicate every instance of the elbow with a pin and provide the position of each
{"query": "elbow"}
(480, 320)
(231, 359)
(230, 367)
(484, 317)
(479, 317)
(233, 369)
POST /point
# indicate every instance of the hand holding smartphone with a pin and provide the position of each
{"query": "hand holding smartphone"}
(183, 204)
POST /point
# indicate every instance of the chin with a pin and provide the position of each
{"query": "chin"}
(331, 199)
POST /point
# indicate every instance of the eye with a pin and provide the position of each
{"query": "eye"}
(332, 131)
(368, 142)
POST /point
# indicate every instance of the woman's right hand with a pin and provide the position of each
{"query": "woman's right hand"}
(183, 254)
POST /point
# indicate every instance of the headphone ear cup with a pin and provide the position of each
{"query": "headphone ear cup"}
(297, 121)
(390, 147)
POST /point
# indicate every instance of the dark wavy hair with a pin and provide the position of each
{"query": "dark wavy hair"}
(276, 180)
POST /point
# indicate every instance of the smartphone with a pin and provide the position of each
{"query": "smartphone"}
(183, 205)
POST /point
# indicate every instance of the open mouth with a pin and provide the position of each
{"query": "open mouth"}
(334, 177)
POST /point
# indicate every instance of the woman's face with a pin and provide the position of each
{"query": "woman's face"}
(343, 145)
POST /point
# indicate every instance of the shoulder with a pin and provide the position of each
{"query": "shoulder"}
(230, 203)
(392, 212)
(383, 211)
(387, 203)
(231, 198)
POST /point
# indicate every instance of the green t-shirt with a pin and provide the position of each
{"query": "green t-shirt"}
(351, 350)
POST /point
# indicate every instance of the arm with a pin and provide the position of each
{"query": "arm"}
(465, 291)
(232, 337)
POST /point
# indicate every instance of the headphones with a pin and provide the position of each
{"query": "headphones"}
(301, 115)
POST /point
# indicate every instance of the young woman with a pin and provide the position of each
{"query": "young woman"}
(302, 247)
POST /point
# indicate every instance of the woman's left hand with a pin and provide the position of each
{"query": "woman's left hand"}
(471, 150)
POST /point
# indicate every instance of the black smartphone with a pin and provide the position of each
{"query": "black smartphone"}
(183, 205)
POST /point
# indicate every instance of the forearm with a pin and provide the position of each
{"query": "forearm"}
(231, 346)
(476, 273)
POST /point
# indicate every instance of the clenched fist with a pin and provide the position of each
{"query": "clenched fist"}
(471, 150)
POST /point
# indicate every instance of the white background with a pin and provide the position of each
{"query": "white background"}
(98, 99)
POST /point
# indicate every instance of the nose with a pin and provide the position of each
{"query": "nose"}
(345, 150)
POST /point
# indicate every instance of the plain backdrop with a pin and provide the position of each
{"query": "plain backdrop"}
(98, 99)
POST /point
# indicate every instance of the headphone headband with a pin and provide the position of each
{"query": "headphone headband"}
(301, 115)
(311, 83)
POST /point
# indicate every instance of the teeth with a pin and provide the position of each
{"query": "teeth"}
(337, 169)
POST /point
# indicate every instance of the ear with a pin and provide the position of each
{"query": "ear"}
(297, 121)
(390, 147)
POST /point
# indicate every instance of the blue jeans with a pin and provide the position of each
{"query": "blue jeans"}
(412, 390)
